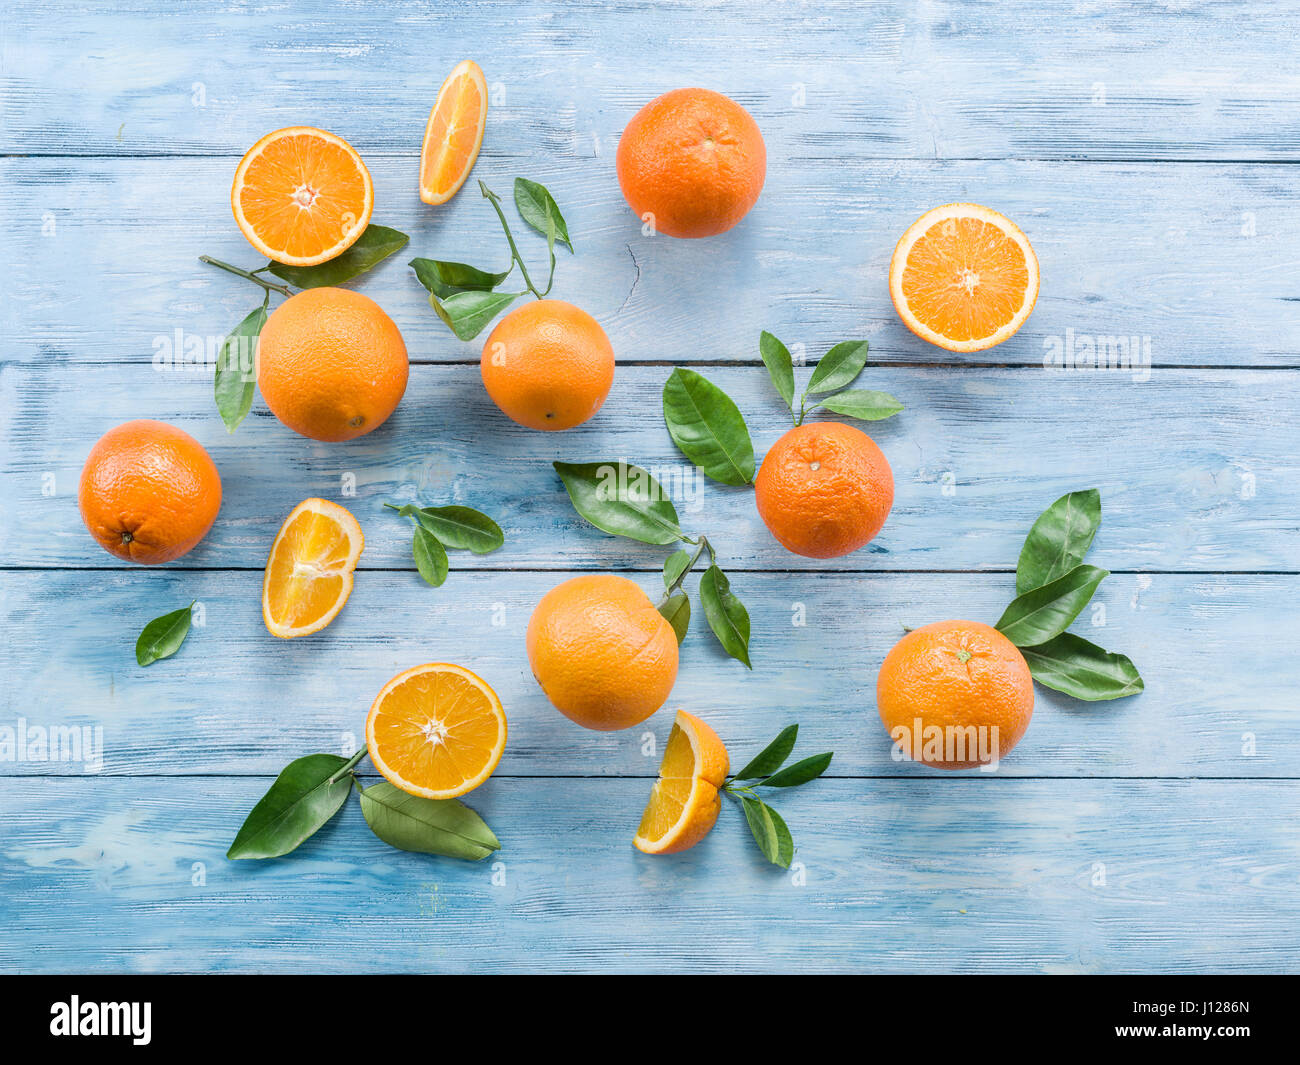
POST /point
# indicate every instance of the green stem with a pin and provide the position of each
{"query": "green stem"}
(704, 545)
(348, 766)
(495, 200)
(284, 290)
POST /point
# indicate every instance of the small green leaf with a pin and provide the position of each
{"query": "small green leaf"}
(838, 367)
(771, 757)
(1059, 539)
(726, 614)
(375, 245)
(235, 379)
(762, 827)
(300, 801)
(427, 826)
(467, 313)
(1072, 665)
(800, 772)
(163, 636)
(784, 841)
(1046, 612)
(708, 427)
(535, 205)
(462, 528)
(430, 558)
(863, 404)
(621, 499)
(447, 278)
(675, 565)
(677, 609)
(780, 366)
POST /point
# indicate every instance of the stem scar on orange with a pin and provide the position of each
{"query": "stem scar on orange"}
(454, 133)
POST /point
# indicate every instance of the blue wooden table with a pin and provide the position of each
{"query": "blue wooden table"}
(1148, 152)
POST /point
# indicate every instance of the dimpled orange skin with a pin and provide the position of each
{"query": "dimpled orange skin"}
(695, 160)
(604, 656)
(548, 365)
(824, 489)
(149, 492)
(924, 677)
(331, 364)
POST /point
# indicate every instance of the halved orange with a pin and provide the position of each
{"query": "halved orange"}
(963, 277)
(302, 196)
(436, 730)
(454, 133)
(684, 803)
(309, 574)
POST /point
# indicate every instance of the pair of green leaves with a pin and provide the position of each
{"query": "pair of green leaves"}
(439, 528)
(625, 500)
(765, 770)
(465, 297)
(1053, 586)
(236, 371)
(311, 790)
(163, 636)
(831, 377)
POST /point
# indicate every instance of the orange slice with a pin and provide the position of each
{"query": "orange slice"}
(963, 277)
(684, 803)
(309, 574)
(302, 196)
(453, 133)
(436, 730)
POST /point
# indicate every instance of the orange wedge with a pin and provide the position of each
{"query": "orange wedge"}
(302, 196)
(453, 134)
(684, 803)
(963, 277)
(309, 574)
(436, 730)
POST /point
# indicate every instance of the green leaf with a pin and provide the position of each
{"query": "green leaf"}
(800, 772)
(446, 278)
(1059, 539)
(771, 757)
(235, 379)
(430, 558)
(621, 499)
(535, 204)
(163, 636)
(784, 841)
(677, 609)
(467, 313)
(863, 404)
(1046, 612)
(708, 428)
(763, 828)
(675, 565)
(462, 528)
(427, 826)
(375, 245)
(838, 367)
(300, 801)
(780, 366)
(727, 615)
(1072, 665)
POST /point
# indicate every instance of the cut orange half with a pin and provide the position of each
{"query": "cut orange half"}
(436, 730)
(302, 196)
(963, 277)
(309, 574)
(453, 134)
(684, 804)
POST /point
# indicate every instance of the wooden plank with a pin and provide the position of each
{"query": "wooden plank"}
(1195, 467)
(236, 700)
(833, 79)
(102, 260)
(946, 875)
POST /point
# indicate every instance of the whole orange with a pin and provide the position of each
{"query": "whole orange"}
(824, 489)
(691, 163)
(548, 365)
(149, 492)
(955, 694)
(331, 364)
(604, 656)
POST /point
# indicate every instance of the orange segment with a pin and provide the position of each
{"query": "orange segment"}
(309, 574)
(453, 133)
(302, 196)
(963, 277)
(684, 802)
(436, 730)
